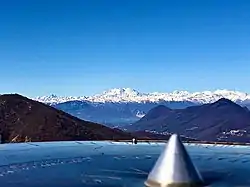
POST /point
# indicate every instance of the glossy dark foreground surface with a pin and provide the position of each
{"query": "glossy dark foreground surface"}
(106, 164)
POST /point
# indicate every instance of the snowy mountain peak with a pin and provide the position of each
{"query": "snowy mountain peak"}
(132, 95)
(47, 98)
(54, 99)
(121, 92)
(180, 92)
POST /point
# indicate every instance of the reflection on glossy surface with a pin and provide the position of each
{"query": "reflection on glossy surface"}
(112, 164)
(174, 167)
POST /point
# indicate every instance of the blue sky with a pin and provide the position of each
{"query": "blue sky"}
(78, 47)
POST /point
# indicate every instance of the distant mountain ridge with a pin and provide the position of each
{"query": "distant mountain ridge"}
(222, 120)
(113, 114)
(121, 95)
(121, 106)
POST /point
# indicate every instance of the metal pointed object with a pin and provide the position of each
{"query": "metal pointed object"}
(174, 168)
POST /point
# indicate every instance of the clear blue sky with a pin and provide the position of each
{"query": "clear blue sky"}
(82, 47)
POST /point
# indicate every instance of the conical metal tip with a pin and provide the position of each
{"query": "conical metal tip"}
(174, 167)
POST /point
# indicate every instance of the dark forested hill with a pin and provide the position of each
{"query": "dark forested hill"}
(222, 120)
(22, 119)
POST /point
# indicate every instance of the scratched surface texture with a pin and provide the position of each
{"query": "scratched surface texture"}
(112, 164)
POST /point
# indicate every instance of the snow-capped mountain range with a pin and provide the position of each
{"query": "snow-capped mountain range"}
(121, 106)
(128, 95)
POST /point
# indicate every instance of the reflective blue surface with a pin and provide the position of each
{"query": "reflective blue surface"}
(111, 164)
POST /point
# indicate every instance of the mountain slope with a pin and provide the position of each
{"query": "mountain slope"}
(121, 106)
(157, 112)
(111, 114)
(22, 118)
(221, 120)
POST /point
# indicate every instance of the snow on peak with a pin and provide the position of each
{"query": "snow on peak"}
(54, 99)
(132, 95)
(121, 92)
(117, 95)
